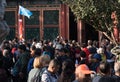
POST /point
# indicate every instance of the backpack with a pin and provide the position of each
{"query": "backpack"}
(38, 75)
(15, 70)
(96, 78)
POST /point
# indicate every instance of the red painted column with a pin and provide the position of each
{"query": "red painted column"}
(80, 31)
(20, 29)
(64, 28)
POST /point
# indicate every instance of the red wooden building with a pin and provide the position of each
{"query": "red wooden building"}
(50, 18)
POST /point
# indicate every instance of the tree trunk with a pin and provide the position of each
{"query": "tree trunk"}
(111, 38)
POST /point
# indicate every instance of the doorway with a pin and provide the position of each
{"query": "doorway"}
(91, 33)
(72, 26)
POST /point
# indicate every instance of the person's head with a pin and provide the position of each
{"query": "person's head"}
(53, 66)
(90, 58)
(95, 43)
(93, 50)
(82, 54)
(32, 49)
(62, 51)
(101, 50)
(68, 66)
(37, 51)
(34, 39)
(104, 68)
(97, 57)
(83, 45)
(39, 45)
(45, 60)
(21, 48)
(82, 72)
(46, 48)
(89, 42)
(68, 69)
(6, 53)
(37, 62)
(117, 68)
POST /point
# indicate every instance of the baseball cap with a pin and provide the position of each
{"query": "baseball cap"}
(83, 68)
(97, 56)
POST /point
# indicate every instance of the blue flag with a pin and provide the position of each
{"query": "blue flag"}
(24, 11)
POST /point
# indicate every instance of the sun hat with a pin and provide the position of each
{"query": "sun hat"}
(83, 68)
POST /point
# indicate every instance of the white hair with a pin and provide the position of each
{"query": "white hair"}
(100, 50)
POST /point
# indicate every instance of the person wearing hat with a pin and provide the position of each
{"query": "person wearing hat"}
(95, 62)
(83, 74)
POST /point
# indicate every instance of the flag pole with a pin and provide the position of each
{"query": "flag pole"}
(24, 12)
(16, 28)
(20, 26)
(18, 22)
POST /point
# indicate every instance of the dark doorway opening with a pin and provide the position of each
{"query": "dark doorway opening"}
(91, 33)
(72, 27)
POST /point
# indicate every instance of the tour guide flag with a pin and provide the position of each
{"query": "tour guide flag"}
(24, 11)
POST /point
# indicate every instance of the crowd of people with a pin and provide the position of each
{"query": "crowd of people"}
(58, 61)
